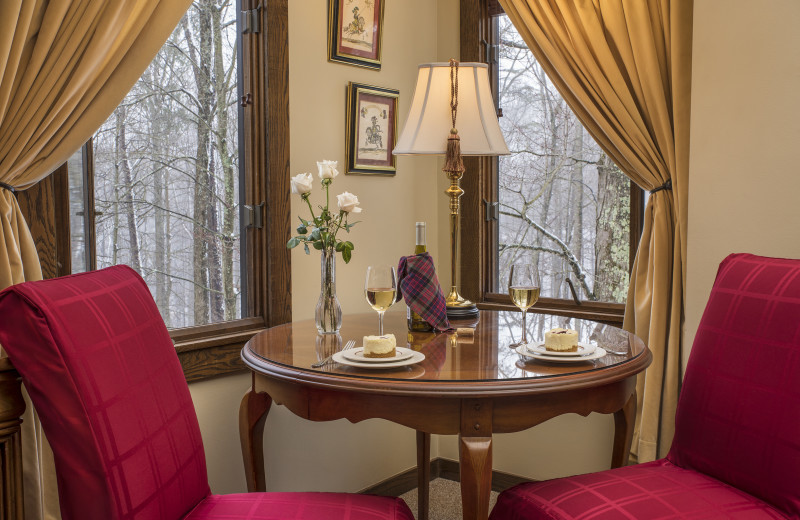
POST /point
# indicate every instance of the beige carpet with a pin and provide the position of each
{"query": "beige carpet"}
(445, 501)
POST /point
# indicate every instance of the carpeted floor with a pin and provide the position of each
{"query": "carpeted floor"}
(445, 502)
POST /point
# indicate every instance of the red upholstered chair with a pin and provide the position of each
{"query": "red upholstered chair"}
(104, 377)
(736, 451)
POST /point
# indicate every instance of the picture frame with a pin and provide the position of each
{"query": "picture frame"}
(355, 32)
(371, 129)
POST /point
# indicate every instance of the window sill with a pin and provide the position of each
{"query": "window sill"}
(609, 313)
(214, 350)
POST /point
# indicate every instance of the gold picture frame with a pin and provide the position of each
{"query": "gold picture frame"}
(355, 32)
(371, 129)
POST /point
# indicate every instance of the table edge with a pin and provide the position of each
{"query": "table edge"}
(451, 389)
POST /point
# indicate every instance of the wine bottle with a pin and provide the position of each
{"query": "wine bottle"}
(415, 321)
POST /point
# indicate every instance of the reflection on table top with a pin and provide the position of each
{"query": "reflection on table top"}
(290, 350)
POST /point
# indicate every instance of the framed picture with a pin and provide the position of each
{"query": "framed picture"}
(371, 131)
(355, 32)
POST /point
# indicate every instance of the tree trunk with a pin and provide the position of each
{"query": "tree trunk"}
(201, 59)
(612, 228)
(127, 186)
(222, 87)
(158, 129)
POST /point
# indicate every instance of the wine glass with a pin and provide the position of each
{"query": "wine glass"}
(380, 289)
(523, 287)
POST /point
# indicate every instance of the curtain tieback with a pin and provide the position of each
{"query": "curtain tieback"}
(8, 187)
(666, 186)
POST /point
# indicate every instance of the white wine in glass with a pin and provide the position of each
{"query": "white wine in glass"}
(380, 289)
(523, 287)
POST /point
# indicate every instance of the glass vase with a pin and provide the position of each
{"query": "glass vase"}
(328, 315)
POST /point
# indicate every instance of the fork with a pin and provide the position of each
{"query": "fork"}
(350, 344)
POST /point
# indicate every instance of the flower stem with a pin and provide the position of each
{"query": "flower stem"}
(313, 218)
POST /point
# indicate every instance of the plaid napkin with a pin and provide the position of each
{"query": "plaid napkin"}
(420, 287)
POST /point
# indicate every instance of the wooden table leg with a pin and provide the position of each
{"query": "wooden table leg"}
(423, 474)
(252, 415)
(475, 458)
(12, 406)
(624, 420)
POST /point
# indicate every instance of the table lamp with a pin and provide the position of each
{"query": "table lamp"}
(453, 114)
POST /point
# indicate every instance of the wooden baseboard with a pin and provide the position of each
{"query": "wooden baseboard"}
(440, 468)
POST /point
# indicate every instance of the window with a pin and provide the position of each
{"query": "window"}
(164, 184)
(166, 173)
(557, 201)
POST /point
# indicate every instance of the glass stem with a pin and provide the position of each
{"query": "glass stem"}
(524, 327)
(380, 324)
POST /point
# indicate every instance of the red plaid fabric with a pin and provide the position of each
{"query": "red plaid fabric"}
(736, 451)
(300, 506)
(420, 288)
(653, 491)
(102, 371)
(103, 374)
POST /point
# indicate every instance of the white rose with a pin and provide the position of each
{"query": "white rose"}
(348, 203)
(327, 169)
(302, 183)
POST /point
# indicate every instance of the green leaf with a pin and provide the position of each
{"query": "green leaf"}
(316, 234)
(293, 242)
(349, 245)
(318, 245)
(302, 229)
(348, 226)
(346, 254)
(339, 246)
(305, 246)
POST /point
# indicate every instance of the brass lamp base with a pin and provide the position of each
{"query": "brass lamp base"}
(458, 306)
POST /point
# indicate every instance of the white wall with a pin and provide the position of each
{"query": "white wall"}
(744, 177)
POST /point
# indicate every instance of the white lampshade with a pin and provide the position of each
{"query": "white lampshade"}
(429, 122)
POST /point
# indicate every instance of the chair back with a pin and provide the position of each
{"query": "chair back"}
(738, 417)
(104, 377)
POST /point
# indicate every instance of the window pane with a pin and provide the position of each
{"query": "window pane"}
(166, 167)
(77, 224)
(564, 205)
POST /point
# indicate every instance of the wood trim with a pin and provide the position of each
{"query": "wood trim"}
(266, 126)
(637, 223)
(12, 407)
(210, 362)
(47, 213)
(477, 185)
(89, 211)
(604, 312)
(440, 468)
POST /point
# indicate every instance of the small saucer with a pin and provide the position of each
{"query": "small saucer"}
(357, 354)
(584, 349)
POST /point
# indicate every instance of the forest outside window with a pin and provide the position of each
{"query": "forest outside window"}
(165, 169)
(561, 203)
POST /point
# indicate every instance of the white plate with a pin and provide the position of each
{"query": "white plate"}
(416, 357)
(597, 354)
(584, 349)
(357, 354)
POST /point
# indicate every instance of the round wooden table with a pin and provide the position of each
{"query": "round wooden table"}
(472, 386)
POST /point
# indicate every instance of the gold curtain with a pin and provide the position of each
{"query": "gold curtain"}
(624, 67)
(64, 67)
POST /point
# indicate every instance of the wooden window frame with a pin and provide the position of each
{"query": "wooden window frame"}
(477, 38)
(212, 350)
